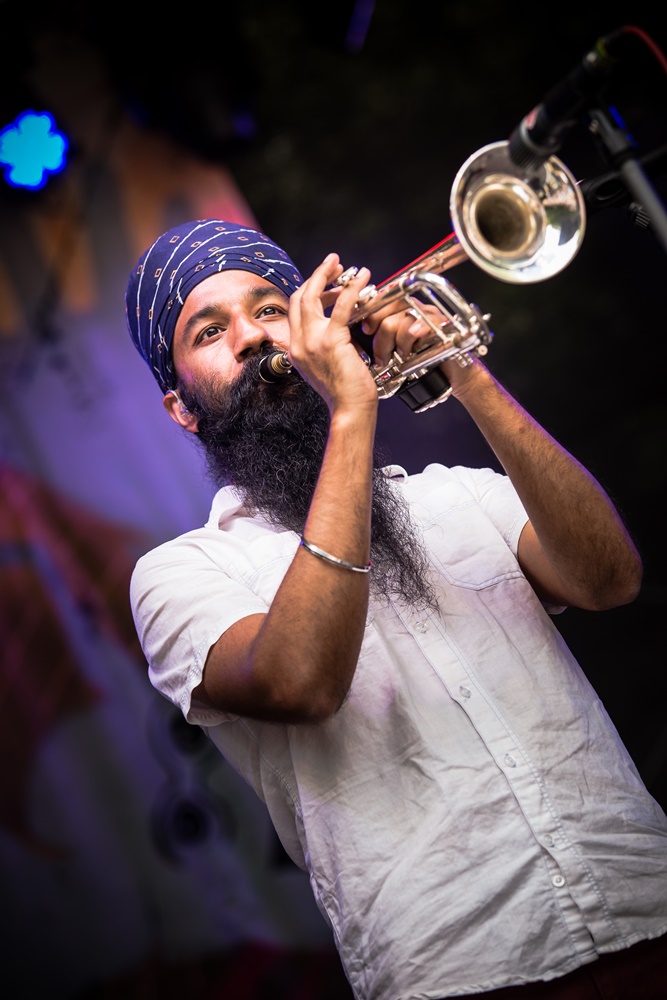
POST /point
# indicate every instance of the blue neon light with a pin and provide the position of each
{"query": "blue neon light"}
(32, 148)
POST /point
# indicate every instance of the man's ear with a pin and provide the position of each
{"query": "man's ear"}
(177, 411)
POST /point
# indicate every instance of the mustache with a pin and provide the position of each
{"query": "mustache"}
(252, 365)
(255, 410)
(251, 378)
(214, 399)
(251, 401)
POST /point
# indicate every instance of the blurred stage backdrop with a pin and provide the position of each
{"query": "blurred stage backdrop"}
(133, 862)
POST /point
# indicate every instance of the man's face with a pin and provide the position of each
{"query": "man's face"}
(224, 321)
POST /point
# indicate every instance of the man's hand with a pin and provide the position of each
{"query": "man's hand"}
(321, 347)
(397, 328)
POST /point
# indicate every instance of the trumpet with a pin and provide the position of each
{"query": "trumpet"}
(520, 227)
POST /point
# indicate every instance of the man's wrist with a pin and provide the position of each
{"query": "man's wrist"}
(467, 380)
(357, 417)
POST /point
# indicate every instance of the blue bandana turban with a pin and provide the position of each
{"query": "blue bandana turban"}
(178, 260)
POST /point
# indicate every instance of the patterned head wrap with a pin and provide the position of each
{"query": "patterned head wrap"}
(178, 260)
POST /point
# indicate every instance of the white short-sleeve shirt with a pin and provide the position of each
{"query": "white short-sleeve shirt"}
(469, 818)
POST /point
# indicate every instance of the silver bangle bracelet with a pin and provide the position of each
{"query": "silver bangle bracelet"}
(321, 554)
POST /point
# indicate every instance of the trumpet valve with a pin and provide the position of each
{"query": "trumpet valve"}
(346, 276)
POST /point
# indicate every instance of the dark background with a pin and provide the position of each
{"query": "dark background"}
(344, 126)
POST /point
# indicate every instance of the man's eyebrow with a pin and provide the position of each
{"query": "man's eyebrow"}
(213, 310)
(206, 312)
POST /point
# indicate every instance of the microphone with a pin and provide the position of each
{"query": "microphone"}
(539, 135)
(274, 366)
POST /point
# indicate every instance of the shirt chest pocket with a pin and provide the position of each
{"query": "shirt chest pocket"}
(261, 563)
(469, 551)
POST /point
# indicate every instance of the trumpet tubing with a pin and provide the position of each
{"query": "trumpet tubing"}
(518, 227)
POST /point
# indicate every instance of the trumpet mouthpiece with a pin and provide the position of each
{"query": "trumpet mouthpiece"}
(274, 366)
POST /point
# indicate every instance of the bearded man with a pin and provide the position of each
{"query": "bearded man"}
(373, 651)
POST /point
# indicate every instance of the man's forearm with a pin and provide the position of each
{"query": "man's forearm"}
(305, 654)
(587, 557)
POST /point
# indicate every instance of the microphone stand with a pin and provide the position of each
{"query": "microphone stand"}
(604, 126)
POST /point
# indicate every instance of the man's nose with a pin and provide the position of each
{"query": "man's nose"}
(250, 337)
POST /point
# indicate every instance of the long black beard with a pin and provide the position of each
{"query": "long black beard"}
(268, 441)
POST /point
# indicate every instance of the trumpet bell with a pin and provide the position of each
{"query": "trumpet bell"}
(518, 227)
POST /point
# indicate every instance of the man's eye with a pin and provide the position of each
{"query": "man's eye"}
(208, 332)
(272, 311)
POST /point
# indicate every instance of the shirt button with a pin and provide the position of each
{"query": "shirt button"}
(464, 692)
(421, 626)
(509, 760)
(549, 840)
(558, 881)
